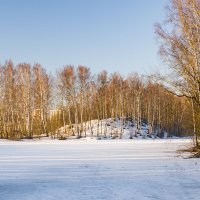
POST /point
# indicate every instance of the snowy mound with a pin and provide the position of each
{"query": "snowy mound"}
(109, 129)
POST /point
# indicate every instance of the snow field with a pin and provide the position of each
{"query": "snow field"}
(92, 169)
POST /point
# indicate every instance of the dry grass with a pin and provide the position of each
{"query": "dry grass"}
(195, 151)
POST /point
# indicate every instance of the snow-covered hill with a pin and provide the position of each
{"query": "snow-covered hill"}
(110, 129)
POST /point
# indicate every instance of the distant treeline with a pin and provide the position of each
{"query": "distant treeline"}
(34, 103)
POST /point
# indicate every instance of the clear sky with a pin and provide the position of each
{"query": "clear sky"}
(116, 35)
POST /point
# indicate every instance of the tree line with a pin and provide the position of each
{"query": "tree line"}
(34, 103)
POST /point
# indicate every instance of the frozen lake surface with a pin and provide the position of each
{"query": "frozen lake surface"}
(99, 170)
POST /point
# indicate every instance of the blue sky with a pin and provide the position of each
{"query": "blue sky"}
(116, 35)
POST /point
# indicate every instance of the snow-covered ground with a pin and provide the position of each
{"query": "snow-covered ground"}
(97, 169)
